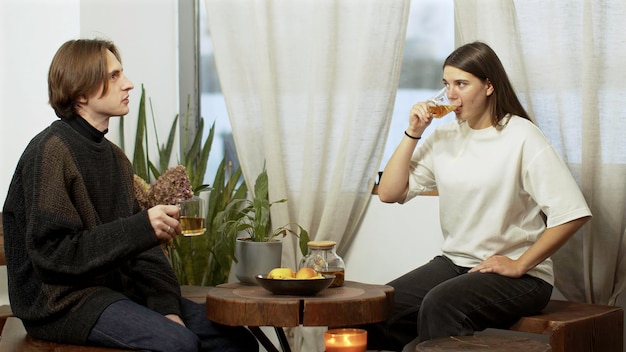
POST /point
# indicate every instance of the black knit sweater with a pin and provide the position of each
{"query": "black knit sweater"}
(75, 238)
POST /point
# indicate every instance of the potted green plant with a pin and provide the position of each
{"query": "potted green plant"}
(260, 248)
(204, 260)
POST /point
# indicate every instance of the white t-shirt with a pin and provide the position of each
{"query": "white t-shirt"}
(498, 188)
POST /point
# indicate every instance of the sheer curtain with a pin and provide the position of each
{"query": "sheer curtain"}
(566, 60)
(310, 86)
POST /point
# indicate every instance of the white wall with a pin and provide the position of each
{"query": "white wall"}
(393, 239)
(31, 32)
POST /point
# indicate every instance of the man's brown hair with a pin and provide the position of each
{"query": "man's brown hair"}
(77, 70)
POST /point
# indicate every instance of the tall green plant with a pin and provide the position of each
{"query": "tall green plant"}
(200, 260)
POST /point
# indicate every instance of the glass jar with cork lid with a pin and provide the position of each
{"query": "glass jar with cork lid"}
(322, 258)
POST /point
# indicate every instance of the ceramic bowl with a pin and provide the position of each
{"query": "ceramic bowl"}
(295, 287)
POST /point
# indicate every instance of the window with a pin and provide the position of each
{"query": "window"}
(429, 39)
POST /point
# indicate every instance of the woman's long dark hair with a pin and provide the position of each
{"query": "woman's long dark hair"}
(480, 60)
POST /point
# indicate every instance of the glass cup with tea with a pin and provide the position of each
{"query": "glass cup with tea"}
(439, 105)
(192, 216)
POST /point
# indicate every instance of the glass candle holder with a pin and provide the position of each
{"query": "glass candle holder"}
(345, 340)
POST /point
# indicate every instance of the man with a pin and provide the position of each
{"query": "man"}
(84, 262)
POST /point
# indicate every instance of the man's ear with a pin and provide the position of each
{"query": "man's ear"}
(81, 100)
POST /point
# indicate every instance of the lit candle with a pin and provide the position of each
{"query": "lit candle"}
(345, 340)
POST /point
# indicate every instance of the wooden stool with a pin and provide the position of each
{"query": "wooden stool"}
(14, 338)
(577, 327)
(481, 343)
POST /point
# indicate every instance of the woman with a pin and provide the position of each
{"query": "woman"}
(507, 203)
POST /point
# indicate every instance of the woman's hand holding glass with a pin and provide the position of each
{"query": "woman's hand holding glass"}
(423, 113)
(419, 119)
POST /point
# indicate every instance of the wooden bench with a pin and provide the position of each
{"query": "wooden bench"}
(571, 327)
(14, 336)
(577, 327)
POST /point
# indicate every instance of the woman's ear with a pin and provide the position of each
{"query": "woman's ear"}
(489, 88)
(81, 100)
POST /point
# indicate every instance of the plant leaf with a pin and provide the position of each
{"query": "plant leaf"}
(139, 155)
(203, 159)
(261, 186)
(165, 152)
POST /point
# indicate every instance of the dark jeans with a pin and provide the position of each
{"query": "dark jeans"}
(126, 324)
(441, 299)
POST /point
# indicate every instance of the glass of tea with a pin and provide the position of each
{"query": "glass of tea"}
(439, 105)
(192, 216)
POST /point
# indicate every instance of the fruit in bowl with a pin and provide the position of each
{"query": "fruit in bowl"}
(308, 273)
(310, 286)
(281, 273)
(288, 274)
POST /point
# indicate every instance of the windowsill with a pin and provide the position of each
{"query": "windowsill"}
(432, 193)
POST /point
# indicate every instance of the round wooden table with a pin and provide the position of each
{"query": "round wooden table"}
(352, 304)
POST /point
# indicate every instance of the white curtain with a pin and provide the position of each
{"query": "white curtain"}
(566, 59)
(309, 87)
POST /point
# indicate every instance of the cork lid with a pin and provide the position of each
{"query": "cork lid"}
(321, 244)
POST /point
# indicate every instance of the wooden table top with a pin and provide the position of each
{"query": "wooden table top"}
(353, 303)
